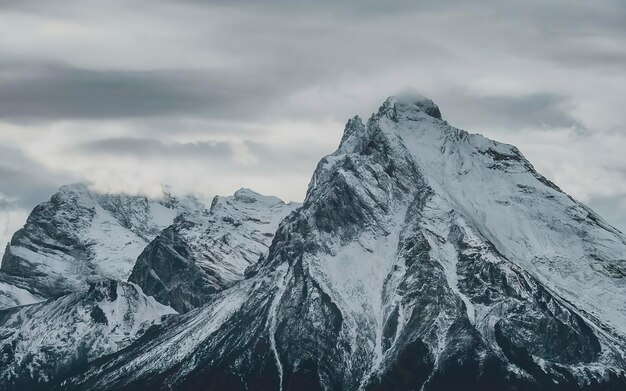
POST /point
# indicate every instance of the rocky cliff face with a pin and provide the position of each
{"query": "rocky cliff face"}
(207, 251)
(43, 341)
(77, 237)
(423, 257)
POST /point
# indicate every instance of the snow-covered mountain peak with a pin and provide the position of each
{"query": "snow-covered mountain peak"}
(72, 197)
(79, 236)
(409, 104)
(493, 187)
(249, 196)
(392, 199)
(72, 188)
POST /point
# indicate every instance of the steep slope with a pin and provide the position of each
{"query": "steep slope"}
(45, 340)
(11, 295)
(78, 236)
(424, 258)
(207, 251)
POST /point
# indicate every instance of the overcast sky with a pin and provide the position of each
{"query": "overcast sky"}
(210, 96)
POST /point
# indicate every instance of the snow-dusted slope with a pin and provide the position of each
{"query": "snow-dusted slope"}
(532, 222)
(424, 258)
(44, 340)
(78, 236)
(206, 251)
(11, 295)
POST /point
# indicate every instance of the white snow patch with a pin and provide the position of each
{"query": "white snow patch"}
(273, 313)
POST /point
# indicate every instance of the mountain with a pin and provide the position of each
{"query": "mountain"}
(423, 257)
(207, 251)
(41, 341)
(78, 236)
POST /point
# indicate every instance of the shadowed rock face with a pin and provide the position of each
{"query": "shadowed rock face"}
(52, 229)
(207, 251)
(423, 257)
(78, 236)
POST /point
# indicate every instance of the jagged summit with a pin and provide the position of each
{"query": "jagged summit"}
(75, 193)
(70, 188)
(406, 105)
(352, 133)
(408, 102)
(76, 237)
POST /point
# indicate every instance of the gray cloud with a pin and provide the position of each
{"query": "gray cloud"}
(613, 209)
(154, 80)
(55, 92)
(24, 182)
(276, 158)
(542, 110)
(268, 158)
(272, 50)
(153, 148)
(48, 92)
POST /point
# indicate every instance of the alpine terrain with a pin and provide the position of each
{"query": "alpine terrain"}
(41, 341)
(207, 251)
(100, 313)
(423, 258)
(76, 237)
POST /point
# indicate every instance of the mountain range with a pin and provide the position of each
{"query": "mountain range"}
(422, 258)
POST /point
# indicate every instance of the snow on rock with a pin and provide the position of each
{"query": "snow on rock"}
(527, 218)
(41, 341)
(79, 236)
(208, 250)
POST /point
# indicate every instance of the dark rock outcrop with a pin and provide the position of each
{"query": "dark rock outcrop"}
(207, 251)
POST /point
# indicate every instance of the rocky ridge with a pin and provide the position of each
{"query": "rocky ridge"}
(43, 341)
(76, 237)
(207, 251)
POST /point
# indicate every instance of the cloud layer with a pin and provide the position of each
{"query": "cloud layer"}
(213, 96)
